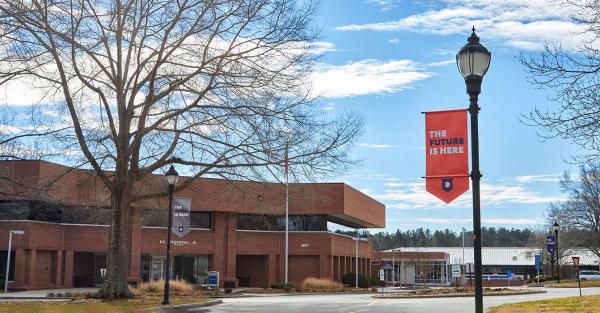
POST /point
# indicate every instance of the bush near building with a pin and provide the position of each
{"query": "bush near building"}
(363, 281)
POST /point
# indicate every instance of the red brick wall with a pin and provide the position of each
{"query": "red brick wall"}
(302, 266)
(82, 187)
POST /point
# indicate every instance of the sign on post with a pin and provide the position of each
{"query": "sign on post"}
(538, 262)
(446, 154)
(576, 263)
(381, 275)
(212, 279)
(551, 243)
(181, 216)
(456, 270)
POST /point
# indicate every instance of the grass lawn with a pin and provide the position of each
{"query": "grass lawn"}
(573, 284)
(91, 306)
(587, 304)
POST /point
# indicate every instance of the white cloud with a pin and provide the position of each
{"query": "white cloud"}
(366, 77)
(538, 178)
(385, 5)
(413, 196)
(442, 63)
(394, 41)
(375, 146)
(328, 106)
(501, 221)
(522, 24)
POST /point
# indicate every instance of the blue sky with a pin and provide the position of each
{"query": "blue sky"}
(391, 60)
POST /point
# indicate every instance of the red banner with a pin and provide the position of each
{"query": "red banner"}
(447, 155)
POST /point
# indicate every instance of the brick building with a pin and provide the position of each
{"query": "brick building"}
(236, 230)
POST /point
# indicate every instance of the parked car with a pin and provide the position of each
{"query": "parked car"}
(589, 275)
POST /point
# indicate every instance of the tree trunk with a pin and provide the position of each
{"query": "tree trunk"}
(115, 282)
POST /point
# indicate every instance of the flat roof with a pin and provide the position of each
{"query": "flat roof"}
(514, 256)
(341, 203)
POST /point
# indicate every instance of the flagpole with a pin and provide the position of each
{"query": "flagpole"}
(286, 214)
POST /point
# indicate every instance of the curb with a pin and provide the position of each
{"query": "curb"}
(246, 295)
(190, 306)
(458, 295)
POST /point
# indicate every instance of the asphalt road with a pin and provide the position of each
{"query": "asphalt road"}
(366, 303)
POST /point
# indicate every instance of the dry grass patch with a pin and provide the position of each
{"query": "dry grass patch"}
(318, 283)
(587, 304)
(177, 287)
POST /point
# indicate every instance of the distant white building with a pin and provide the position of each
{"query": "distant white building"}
(431, 265)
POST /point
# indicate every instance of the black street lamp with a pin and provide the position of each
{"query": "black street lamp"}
(172, 177)
(556, 228)
(473, 61)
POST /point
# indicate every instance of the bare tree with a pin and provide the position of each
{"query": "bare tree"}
(574, 74)
(217, 87)
(579, 215)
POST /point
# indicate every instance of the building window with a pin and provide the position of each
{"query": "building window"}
(11, 274)
(270, 222)
(200, 220)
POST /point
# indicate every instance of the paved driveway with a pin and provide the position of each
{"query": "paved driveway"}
(366, 303)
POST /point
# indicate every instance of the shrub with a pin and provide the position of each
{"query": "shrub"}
(69, 294)
(277, 286)
(228, 290)
(318, 283)
(59, 295)
(350, 280)
(177, 287)
(287, 287)
(50, 295)
(374, 281)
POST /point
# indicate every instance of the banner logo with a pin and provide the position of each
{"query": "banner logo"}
(446, 184)
(446, 154)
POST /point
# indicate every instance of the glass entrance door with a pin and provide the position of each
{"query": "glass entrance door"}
(157, 269)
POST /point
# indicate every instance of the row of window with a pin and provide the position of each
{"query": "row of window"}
(55, 213)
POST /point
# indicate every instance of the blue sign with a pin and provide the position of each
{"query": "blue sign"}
(212, 279)
(508, 272)
(538, 262)
(551, 243)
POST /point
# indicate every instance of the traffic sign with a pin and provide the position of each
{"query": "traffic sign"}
(509, 273)
(538, 262)
(456, 270)
(575, 261)
(381, 275)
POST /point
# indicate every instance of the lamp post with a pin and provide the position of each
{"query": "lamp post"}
(10, 233)
(172, 177)
(473, 61)
(556, 228)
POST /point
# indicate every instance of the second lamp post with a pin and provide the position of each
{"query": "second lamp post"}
(172, 177)
(556, 228)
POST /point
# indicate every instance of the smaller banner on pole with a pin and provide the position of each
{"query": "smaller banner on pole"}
(181, 216)
(551, 243)
(447, 156)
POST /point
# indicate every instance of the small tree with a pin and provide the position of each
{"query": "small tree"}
(217, 87)
(579, 215)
